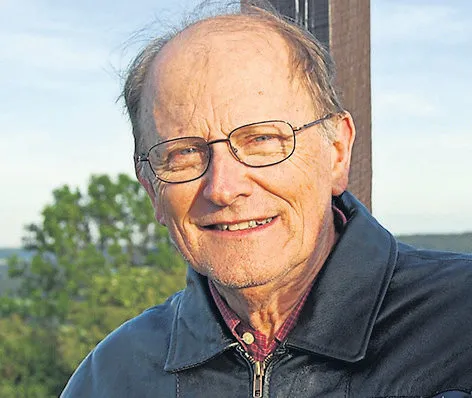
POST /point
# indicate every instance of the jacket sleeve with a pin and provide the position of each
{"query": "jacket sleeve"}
(101, 373)
(82, 382)
(129, 362)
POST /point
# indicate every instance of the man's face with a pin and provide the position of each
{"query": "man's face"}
(206, 85)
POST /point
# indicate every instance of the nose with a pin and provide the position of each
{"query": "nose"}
(226, 179)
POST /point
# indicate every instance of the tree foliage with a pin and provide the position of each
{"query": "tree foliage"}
(99, 259)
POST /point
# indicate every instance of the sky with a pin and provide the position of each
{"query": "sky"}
(60, 66)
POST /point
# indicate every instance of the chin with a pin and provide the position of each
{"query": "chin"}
(241, 279)
(237, 284)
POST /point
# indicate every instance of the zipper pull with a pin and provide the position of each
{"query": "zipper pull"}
(258, 382)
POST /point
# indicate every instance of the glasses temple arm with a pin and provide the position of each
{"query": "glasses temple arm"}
(314, 123)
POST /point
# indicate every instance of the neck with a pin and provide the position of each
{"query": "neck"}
(266, 307)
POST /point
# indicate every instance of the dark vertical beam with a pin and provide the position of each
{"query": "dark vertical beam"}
(286, 7)
(350, 48)
(319, 21)
(343, 26)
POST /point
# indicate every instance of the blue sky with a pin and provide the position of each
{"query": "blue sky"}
(59, 122)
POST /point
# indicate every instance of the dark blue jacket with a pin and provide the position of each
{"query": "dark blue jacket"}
(382, 320)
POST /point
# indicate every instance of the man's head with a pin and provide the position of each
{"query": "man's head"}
(240, 225)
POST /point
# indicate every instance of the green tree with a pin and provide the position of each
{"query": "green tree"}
(29, 367)
(99, 259)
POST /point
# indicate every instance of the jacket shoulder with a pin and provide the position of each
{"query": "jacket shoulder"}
(127, 356)
(431, 278)
(425, 321)
(435, 268)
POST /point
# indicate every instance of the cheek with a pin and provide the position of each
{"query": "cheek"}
(310, 183)
(175, 202)
(311, 171)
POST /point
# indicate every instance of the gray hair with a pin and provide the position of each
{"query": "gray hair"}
(309, 60)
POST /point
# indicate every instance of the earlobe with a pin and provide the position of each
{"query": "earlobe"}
(159, 215)
(341, 153)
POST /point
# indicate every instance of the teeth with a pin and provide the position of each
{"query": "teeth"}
(264, 221)
(242, 225)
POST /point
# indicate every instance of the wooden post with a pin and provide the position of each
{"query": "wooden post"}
(343, 26)
(350, 47)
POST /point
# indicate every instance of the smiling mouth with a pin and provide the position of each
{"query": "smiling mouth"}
(240, 226)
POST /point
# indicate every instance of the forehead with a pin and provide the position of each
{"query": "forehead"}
(239, 73)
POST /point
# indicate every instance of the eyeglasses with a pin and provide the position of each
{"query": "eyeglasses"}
(259, 144)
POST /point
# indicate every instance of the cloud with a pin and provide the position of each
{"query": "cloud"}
(420, 21)
(422, 180)
(51, 53)
(402, 104)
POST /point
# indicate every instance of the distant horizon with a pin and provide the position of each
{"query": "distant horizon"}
(397, 236)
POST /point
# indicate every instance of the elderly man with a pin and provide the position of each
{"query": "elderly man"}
(293, 289)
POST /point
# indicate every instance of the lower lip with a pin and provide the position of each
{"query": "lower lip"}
(243, 232)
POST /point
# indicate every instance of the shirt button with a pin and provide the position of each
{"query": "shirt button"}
(248, 338)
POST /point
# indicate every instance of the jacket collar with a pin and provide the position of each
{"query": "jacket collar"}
(340, 312)
(198, 331)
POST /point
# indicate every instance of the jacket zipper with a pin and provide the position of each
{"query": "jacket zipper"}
(258, 370)
(258, 379)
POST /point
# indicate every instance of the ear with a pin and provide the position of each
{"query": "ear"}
(341, 150)
(150, 189)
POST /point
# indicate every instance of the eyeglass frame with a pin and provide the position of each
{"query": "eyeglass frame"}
(295, 130)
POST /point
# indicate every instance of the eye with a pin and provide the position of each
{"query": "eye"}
(186, 154)
(188, 151)
(262, 138)
(178, 155)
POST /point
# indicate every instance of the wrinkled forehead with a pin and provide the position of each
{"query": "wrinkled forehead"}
(212, 63)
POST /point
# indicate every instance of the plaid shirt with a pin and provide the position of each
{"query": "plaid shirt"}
(261, 347)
